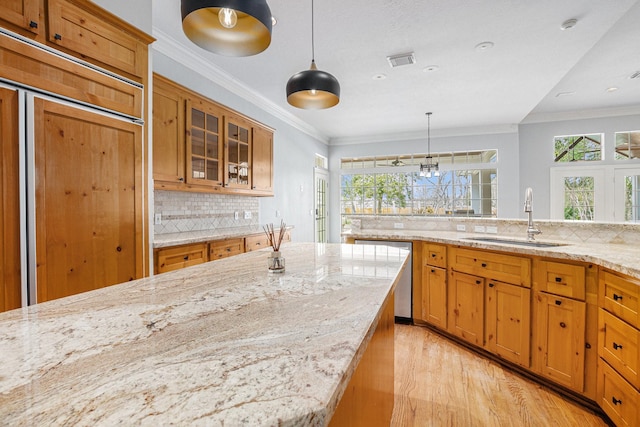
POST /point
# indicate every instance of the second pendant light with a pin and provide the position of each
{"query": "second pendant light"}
(313, 89)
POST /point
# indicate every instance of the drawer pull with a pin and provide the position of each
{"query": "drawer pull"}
(228, 249)
(558, 302)
(563, 325)
(558, 279)
(433, 255)
(616, 401)
(57, 36)
(587, 345)
(432, 270)
(186, 258)
(484, 265)
(33, 24)
(616, 346)
(617, 297)
(491, 285)
(181, 179)
(478, 282)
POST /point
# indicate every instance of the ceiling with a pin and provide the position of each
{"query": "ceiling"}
(474, 91)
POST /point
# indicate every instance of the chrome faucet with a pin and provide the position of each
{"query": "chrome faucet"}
(531, 229)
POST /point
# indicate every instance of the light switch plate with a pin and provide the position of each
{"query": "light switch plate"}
(479, 229)
(398, 225)
(236, 215)
(461, 227)
(492, 230)
(158, 219)
(247, 214)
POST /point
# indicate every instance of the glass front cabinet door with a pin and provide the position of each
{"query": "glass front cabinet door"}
(204, 143)
(237, 152)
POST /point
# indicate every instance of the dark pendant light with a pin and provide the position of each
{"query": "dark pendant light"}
(228, 27)
(428, 166)
(313, 89)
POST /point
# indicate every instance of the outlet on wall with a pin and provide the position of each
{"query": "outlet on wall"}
(158, 219)
(277, 213)
(479, 229)
(247, 214)
(236, 215)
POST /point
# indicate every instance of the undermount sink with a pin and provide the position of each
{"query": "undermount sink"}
(534, 243)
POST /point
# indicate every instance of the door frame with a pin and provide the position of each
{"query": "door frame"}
(320, 173)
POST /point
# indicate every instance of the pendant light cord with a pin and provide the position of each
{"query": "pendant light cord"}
(313, 51)
(429, 132)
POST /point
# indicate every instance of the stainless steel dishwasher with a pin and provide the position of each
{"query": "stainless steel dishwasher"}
(403, 296)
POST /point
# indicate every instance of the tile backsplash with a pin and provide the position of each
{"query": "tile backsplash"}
(183, 211)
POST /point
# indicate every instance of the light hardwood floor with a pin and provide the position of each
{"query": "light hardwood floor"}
(439, 383)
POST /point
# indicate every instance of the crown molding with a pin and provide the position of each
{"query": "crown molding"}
(580, 114)
(172, 48)
(420, 135)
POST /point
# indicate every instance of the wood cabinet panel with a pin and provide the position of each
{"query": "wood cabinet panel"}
(619, 400)
(93, 34)
(24, 14)
(205, 146)
(618, 345)
(262, 161)
(561, 278)
(505, 268)
(237, 152)
(88, 202)
(435, 255)
(175, 258)
(508, 321)
(559, 339)
(168, 131)
(47, 71)
(255, 242)
(225, 248)
(466, 307)
(619, 295)
(10, 291)
(434, 296)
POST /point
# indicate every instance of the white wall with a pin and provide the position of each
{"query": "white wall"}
(536, 152)
(136, 12)
(506, 144)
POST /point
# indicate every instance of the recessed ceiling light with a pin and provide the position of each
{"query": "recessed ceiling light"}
(480, 47)
(559, 94)
(568, 24)
(612, 89)
(379, 76)
(430, 68)
(274, 21)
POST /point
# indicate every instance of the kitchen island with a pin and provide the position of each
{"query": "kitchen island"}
(222, 343)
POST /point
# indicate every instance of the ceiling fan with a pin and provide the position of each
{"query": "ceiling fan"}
(397, 162)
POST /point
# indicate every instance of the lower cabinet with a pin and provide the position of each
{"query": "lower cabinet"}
(225, 248)
(434, 296)
(619, 400)
(560, 339)
(175, 258)
(508, 321)
(466, 307)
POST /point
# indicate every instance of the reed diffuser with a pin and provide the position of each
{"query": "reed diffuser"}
(275, 262)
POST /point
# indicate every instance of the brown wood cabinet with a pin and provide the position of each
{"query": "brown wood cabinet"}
(21, 15)
(466, 307)
(168, 132)
(508, 321)
(89, 205)
(262, 161)
(205, 148)
(434, 284)
(225, 248)
(618, 347)
(506, 268)
(177, 257)
(237, 152)
(10, 289)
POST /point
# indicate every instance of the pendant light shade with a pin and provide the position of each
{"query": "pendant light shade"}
(228, 27)
(313, 89)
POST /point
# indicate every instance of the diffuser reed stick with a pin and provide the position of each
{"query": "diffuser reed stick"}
(275, 239)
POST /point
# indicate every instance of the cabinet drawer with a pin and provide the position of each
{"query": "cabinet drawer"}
(618, 345)
(435, 255)
(505, 268)
(567, 280)
(183, 256)
(225, 248)
(619, 295)
(616, 397)
(91, 36)
(253, 243)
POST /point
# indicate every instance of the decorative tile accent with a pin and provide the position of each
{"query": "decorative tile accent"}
(185, 212)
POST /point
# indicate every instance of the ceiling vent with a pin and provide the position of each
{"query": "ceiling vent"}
(635, 75)
(401, 59)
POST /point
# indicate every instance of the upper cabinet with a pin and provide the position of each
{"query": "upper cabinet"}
(21, 15)
(199, 145)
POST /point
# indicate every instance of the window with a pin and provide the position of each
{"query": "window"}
(627, 145)
(579, 198)
(574, 148)
(632, 198)
(392, 185)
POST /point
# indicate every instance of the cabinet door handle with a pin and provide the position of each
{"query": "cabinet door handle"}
(33, 24)
(558, 279)
(491, 285)
(617, 297)
(563, 325)
(587, 345)
(616, 346)
(186, 258)
(432, 270)
(616, 401)
(558, 302)
(181, 179)
(433, 255)
(57, 36)
(478, 282)
(484, 265)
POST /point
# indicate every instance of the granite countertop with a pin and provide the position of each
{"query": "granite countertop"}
(624, 258)
(188, 237)
(223, 342)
